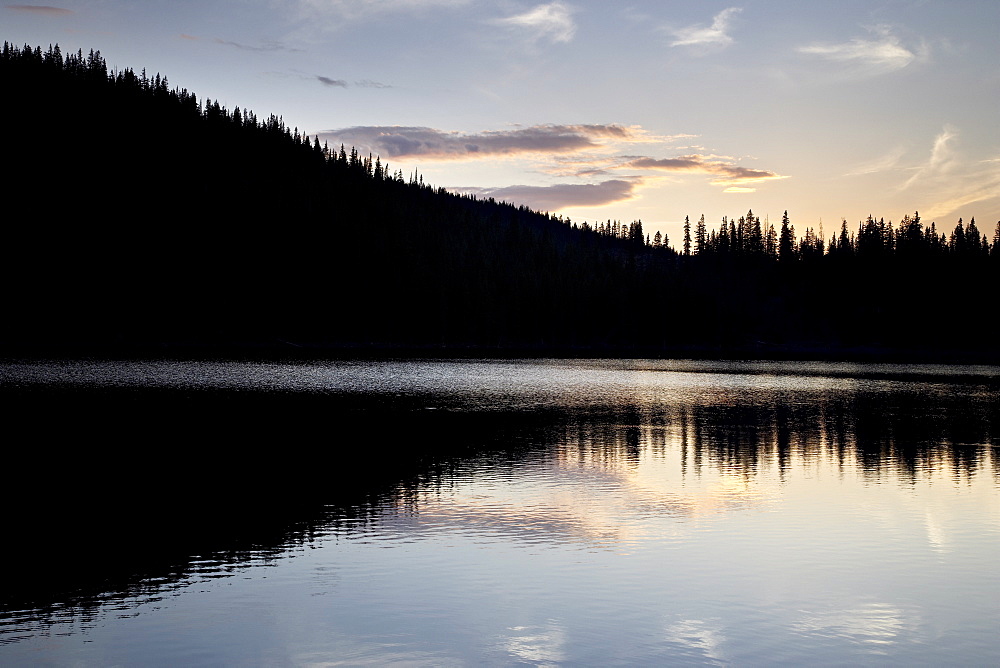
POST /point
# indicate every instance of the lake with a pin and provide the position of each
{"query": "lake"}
(468, 512)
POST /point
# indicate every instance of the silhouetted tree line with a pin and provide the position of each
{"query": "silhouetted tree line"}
(873, 240)
(137, 214)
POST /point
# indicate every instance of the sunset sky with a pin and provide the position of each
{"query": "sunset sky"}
(596, 109)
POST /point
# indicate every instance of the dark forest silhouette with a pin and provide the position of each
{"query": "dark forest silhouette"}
(137, 215)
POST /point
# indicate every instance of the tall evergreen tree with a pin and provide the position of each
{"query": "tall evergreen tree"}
(786, 240)
(700, 238)
(771, 242)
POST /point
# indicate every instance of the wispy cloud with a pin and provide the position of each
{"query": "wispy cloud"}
(551, 21)
(560, 196)
(361, 9)
(342, 83)
(981, 183)
(880, 164)
(724, 171)
(941, 159)
(716, 34)
(881, 55)
(327, 81)
(368, 83)
(949, 181)
(400, 141)
(40, 9)
(267, 47)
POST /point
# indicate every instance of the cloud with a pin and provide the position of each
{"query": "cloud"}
(368, 83)
(341, 83)
(726, 172)
(553, 21)
(940, 159)
(266, 47)
(327, 81)
(584, 152)
(362, 9)
(400, 141)
(41, 9)
(586, 165)
(880, 164)
(713, 35)
(980, 184)
(948, 181)
(870, 57)
(559, 196)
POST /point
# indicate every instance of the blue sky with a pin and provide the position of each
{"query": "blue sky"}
(598, 110)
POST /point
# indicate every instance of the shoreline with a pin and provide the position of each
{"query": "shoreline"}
(290, 350)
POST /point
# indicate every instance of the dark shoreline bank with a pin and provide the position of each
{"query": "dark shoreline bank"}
(292, 351)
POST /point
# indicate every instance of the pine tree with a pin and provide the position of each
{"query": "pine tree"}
(786, 240)
(771, 242)
(699, 235)
(957, 240)
(844, 245)
(972, 237)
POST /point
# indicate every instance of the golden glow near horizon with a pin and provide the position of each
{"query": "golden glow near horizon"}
(600, 111)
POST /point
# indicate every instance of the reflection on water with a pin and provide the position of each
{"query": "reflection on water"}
(538, 646)
(542, 512)
(872, 624)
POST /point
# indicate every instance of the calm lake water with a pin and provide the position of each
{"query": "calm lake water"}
(554, 512)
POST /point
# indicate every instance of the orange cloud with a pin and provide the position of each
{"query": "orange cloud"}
(726, 173)
(402, 142)
(559, 196)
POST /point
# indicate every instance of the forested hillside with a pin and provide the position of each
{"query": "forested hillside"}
(138, 214)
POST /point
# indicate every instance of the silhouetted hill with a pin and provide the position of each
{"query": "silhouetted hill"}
(137, 215)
